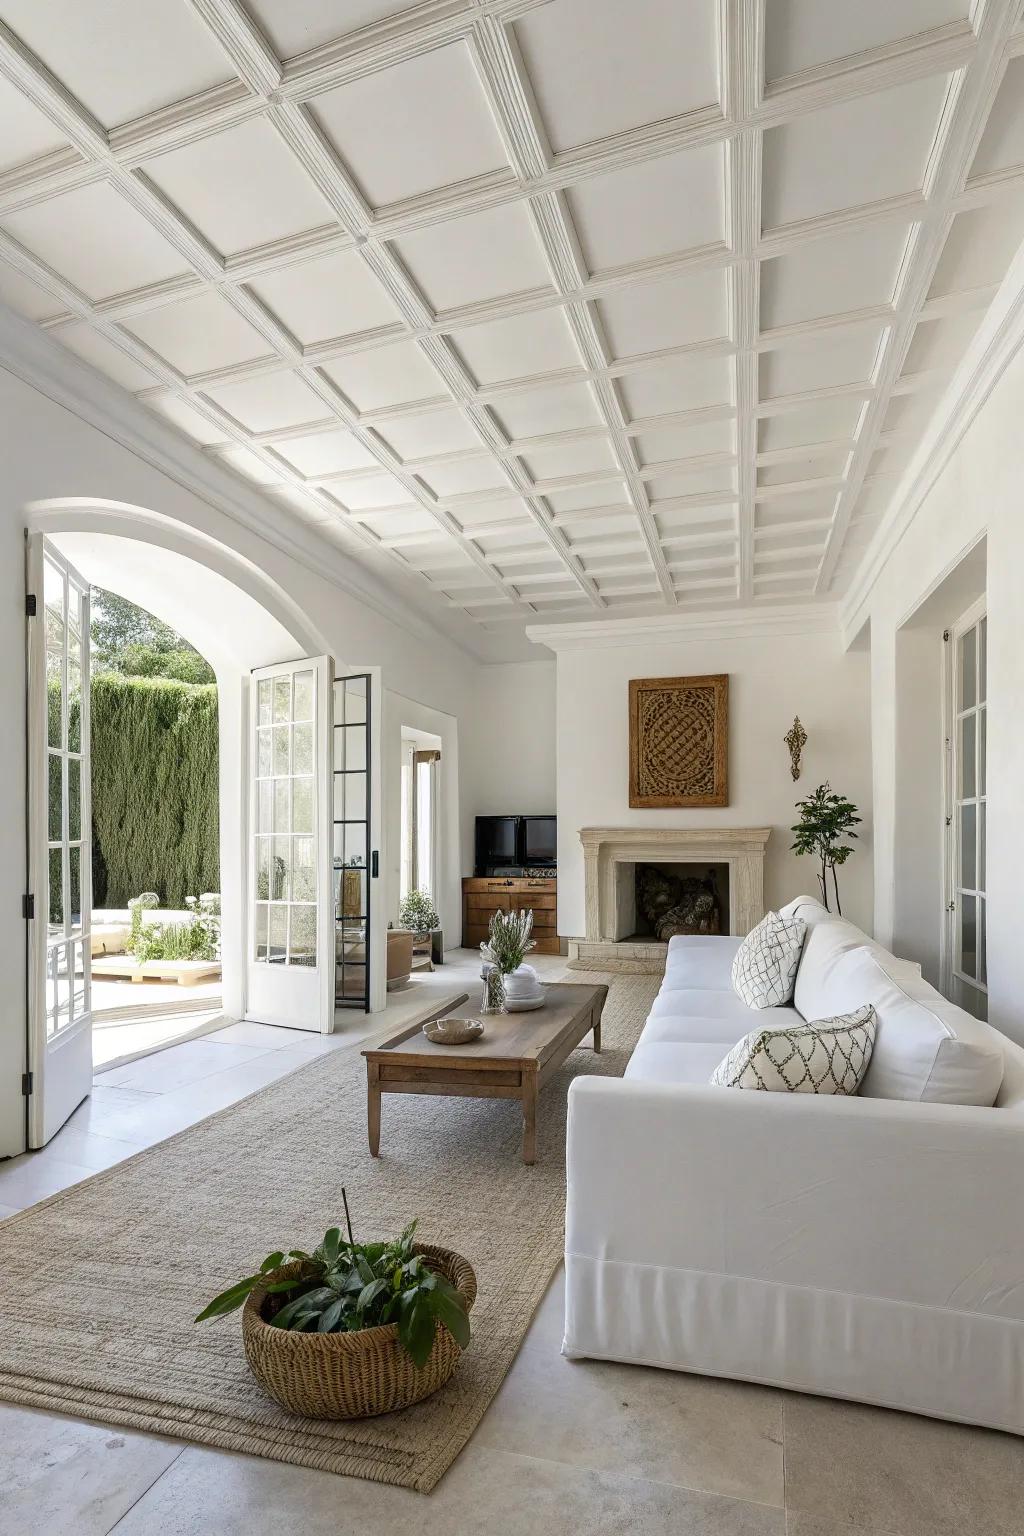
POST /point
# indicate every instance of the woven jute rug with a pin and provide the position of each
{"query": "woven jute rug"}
(99, 1284)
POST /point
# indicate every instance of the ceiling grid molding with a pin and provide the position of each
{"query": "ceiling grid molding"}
(500, 518)
(742, 66)
(966, 108)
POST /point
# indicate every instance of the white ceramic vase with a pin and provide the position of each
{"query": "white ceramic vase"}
(521, 985)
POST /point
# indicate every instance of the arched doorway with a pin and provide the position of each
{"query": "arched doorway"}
(256, 638)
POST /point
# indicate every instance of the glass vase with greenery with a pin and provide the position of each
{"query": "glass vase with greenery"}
(508, 944)
(345, 1286)
(825, 820)
(418, 912)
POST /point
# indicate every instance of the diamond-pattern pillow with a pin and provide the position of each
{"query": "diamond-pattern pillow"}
(828, 1056)
(765, 966)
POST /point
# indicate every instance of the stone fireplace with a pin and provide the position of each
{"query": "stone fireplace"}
(611, 857)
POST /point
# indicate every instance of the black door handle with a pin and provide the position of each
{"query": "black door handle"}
(374, 864)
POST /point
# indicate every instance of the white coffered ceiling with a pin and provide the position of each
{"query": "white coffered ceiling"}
(564, 308)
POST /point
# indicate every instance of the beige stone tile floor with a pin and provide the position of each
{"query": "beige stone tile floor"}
(566, 1447)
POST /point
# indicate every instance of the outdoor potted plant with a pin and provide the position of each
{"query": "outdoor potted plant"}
(353, 1329)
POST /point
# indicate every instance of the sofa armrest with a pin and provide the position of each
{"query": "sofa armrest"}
(922, 1203)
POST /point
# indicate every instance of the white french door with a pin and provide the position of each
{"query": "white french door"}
(966, 816)
(290, 929)
(59, 900)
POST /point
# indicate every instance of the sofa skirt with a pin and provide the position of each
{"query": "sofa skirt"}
(936, 1361)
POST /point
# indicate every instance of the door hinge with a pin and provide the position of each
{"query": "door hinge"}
(26, 1084)
(947, 635)
(30, 605)
(28, 906)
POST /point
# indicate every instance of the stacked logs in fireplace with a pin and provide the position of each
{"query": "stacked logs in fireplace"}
(671, 904)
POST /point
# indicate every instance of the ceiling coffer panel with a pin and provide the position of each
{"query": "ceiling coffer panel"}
(559, 306)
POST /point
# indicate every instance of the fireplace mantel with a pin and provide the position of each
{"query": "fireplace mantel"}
(605, 849)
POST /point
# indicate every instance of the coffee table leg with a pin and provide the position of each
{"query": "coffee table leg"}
(597, 1030)
(373, 1107)
(529, 1117)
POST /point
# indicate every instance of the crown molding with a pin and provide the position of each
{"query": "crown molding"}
(665, 628)
(30, 355)
(993, 348)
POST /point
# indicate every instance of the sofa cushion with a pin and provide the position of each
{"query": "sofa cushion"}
(829, 938)
(764, 969)
(700, 961)
(666, 1062)
(688, 1002)
(704, 1028)
(828, 1056)
(926, 1048)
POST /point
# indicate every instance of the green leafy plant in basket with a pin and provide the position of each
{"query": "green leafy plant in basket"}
(346, 1286)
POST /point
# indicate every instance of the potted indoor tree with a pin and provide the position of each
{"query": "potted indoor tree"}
(418, 912)
(825, 820)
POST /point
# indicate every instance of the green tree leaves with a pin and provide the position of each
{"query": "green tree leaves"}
(825, 819)
(155, 790)
(127, 639)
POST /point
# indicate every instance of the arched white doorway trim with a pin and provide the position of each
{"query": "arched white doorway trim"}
(86, 516)
(235, 615)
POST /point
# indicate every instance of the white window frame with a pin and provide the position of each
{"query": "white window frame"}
(953, 978)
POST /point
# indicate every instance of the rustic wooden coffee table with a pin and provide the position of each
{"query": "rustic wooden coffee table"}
(514, 1059)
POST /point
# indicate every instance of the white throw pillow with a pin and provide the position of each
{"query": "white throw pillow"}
(927, 1048)
(765, 965)
(828, 1056)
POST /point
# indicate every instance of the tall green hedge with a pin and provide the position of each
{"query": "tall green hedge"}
(155, 793)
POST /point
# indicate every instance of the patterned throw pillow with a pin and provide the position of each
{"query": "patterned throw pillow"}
(828, 1056)
(764, 970)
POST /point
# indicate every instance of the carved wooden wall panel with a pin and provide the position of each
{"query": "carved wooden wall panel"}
(679, 741)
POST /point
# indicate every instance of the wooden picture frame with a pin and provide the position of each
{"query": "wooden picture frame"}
(679, 741)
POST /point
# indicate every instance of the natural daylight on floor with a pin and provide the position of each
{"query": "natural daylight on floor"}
(511, 527)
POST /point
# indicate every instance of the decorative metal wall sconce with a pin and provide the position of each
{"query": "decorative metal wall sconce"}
(795, 739)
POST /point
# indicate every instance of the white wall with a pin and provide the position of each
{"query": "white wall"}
(510, 743)
(771, 679)
(979, 494)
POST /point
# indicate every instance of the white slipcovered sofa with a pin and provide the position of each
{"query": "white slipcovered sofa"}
(867, 1247)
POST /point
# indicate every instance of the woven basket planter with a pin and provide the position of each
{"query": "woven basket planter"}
(350, 1375)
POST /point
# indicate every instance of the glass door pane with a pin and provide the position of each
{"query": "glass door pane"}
(285, 927)
(967, 819)
(289, 972)
(60, 840)
(66, 604)
(351, 848)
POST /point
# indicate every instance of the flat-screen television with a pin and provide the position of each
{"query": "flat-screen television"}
(539, 840)
(515, 842)
(497, 842)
